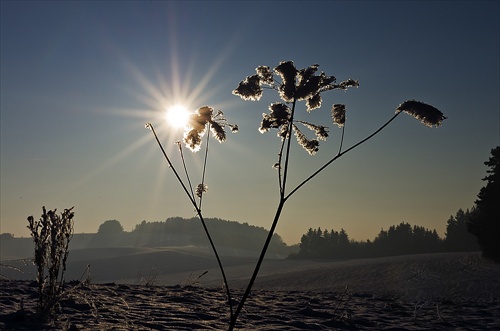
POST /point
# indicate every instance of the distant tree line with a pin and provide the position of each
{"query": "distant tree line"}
(477, 229)
(397, 240)
(224, 233)
(178, 231)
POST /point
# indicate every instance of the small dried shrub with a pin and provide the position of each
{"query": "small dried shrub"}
(51, 235)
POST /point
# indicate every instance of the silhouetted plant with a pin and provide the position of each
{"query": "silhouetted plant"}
(203, 120)
(295, 85)
(51, 235)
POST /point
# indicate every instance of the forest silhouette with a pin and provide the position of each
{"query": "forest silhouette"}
(401, 239)
(317, 243)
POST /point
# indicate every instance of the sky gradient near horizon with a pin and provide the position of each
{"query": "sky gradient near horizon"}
(79, 80)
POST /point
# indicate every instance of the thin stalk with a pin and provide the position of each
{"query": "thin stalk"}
(287, 157)
(226, 285)
(185, 169)
(172, 167)
(339, 155)
(280, 157)
(204, 164)
(198, 211)
(342, 139)
(271, 230)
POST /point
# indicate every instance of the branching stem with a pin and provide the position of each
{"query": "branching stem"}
(273, 226)
(314, 174)
(198, 211)
(283, 199)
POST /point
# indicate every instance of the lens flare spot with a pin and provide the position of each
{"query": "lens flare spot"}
(178, 116)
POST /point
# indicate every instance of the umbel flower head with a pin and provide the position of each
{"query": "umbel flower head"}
(199, 121)
(294, 85)
(423, 112)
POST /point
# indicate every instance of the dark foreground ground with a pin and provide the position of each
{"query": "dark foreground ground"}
(423, 292)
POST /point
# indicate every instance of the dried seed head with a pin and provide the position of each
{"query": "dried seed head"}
(423, 112)
(200, 189)
(218, 131)
(288, 73)
(192, 139)
(338, 114)
(313, 102)
(320, 131)
(265, 74)
(310, 145)
(249, 89)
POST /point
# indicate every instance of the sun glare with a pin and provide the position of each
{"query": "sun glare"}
(177, 116)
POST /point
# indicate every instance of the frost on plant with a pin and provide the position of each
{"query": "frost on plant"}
(51, 236)
(338, 115)
(198, 123)
(423, 112)
(310, 145)
(306, 84)
(200, 189)
(294, 85)
(203, 120)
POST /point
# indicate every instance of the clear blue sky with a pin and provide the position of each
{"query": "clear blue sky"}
(80, 79)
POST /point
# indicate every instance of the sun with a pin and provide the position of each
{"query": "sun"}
(177, 116)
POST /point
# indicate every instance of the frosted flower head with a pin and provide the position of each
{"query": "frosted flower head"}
(320, 131)
(306, 73)
(427, 114)
(278, 116)
(313, 102)
(338, 114)
(348, 83)
(218, 131)
(200, 189)
(310, 145)
(294, 85)
(265, 74)
(287, 71)
(199, 121)
(249, 89)
(192, 139)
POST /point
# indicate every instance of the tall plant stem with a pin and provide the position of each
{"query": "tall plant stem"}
(283, 199)
(226, 285)
(204, 164)
(287, 157)
(273, 226)
(198, 211)
(257, 267)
